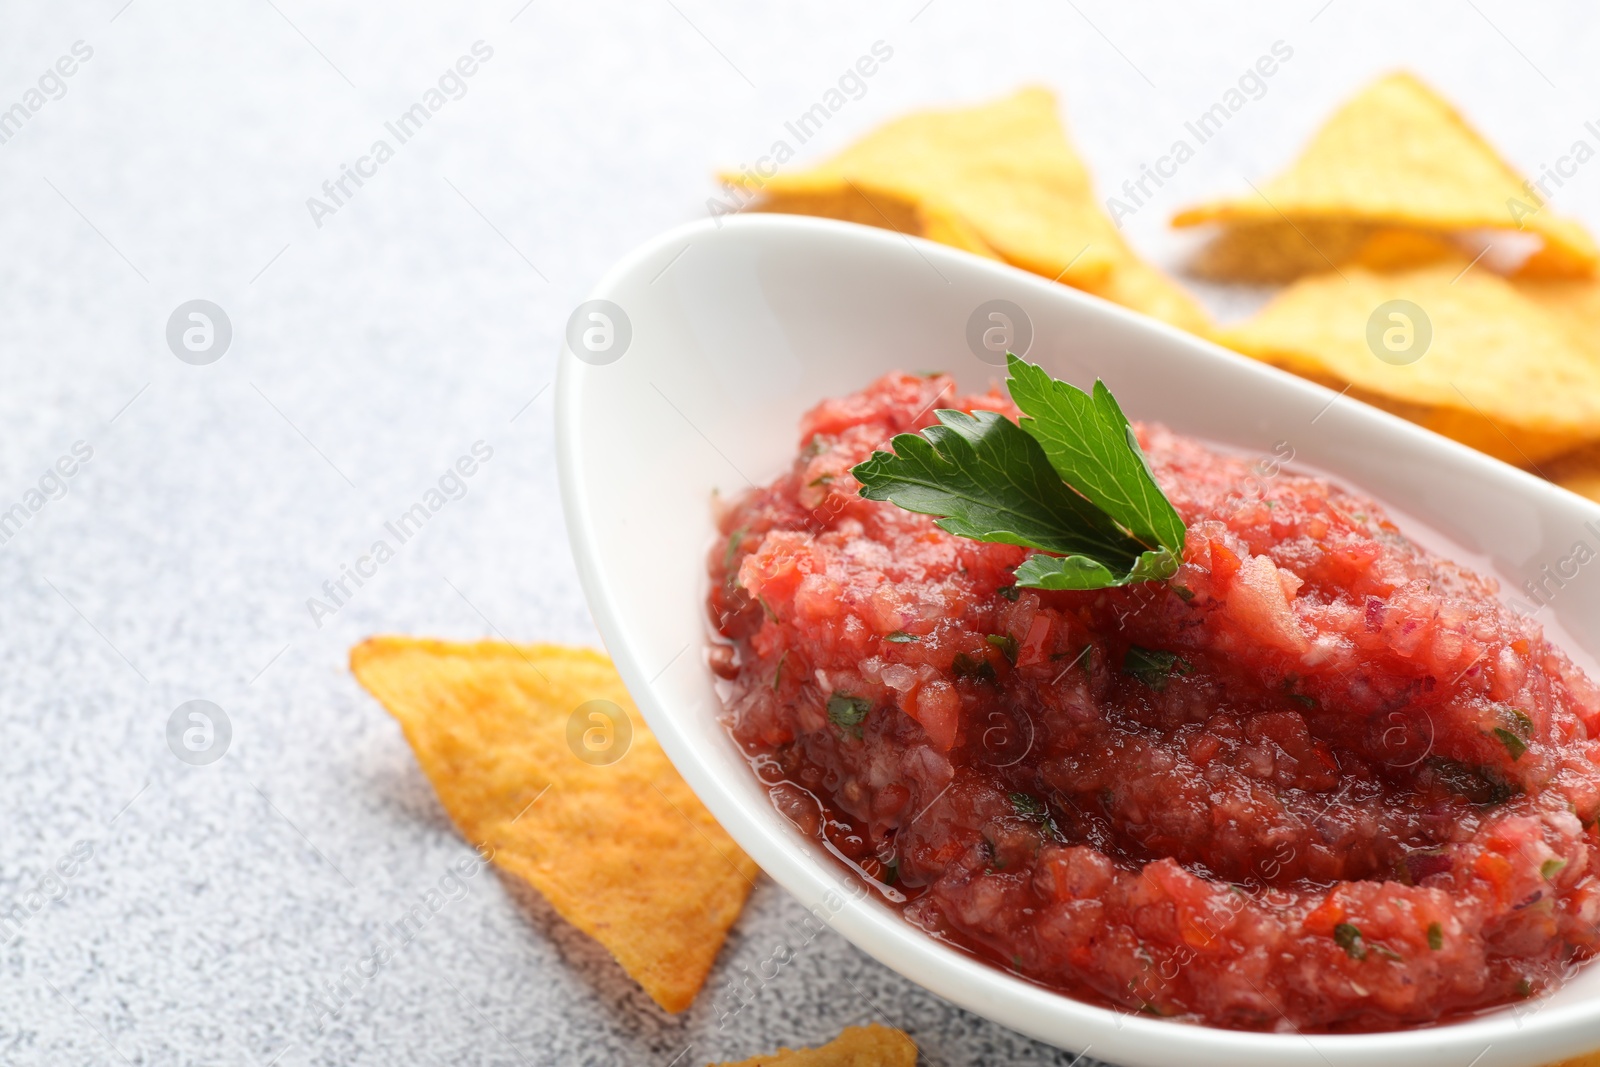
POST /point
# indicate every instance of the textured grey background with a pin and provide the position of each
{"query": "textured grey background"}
(368, 354)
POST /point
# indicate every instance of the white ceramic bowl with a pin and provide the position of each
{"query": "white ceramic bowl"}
(737, 328)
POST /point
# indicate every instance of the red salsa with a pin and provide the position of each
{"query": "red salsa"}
(1321, 779)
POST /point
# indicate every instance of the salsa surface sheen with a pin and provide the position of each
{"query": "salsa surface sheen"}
(1321, 780)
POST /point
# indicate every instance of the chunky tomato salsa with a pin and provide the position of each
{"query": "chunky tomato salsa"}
(1320, 779)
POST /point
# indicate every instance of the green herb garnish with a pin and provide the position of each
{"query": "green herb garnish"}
(967, 666)
(900, 637)
(1152, 666)
(1479, 785)
(1514, 744)
(1010, 592)
(734, 540)
(1290, 684)
(1034, 810)
(1084, 655)
(1435, 936)
(1026, 806)
(1348, 937)
(777, 675)
(1069, 480)
(848, 712)
(1006, 644)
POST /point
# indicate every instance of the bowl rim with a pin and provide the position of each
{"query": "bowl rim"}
(948, 971)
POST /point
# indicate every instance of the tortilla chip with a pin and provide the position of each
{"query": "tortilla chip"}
(999, 180)
(624, 851)
(858, 1046)
(1575, 304)
(1137, 285)
(1504, 373)
(1580, 472)
(885, 212)
(947, 228)
(1005, 168)
(1397, 155)
(850, 205)
(1591, 1059)
(1272, 253)
(1389, 249)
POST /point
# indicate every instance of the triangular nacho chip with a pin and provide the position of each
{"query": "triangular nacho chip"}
(999, 180)
(1135, 284)
(886, 212)
(1397, 155)
(1580, 472)
(857, 1046)
(1503, 372)
(1005, 168)
(622, 849)
(1267, 253)
(1576, 305)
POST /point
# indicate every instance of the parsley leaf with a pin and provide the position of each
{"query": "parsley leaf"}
(1348, 937)
(1524, 724)
(847, 712)
(1069, 480)
(1093, 448)
(1006, 644)
(1153, 666)
(1034, 810)
(1027, 806)
(968, 666)
(1080, 572)
(734, 540)
(990, 481)
(1515, 745)
(1480, 785)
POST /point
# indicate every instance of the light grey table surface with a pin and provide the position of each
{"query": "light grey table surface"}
(217, 903)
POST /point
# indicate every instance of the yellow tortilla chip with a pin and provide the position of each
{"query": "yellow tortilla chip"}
(1005, 168)
(938, 224)
(1503, 373)
(1136, 284)
(623, 850)
(858, 1046)
(999, 180)
(1591, 1059)
(1575, 304)
(1389, 249)
(1580, 472)
(1276, 252)
(1398, 155)
(886, 212)
(850, 205)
